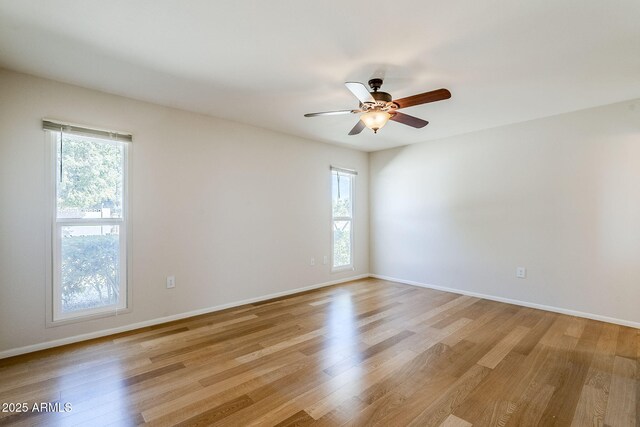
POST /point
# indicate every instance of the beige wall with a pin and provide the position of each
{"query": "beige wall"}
(234, 212)
(559, 196)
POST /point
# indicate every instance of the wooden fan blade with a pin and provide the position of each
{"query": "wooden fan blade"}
(360, 91)
(332, 113)
(423, 98)
(357, 128)
(408, 120)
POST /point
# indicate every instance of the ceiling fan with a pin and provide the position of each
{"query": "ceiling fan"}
(379, 107)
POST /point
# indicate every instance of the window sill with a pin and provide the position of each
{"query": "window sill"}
(87, 317)
(342, 269)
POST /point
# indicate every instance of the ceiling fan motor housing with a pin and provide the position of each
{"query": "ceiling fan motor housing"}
(383, 102)
(381, 96)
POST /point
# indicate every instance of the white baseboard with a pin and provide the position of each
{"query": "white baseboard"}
(112, 331)
(560, 310)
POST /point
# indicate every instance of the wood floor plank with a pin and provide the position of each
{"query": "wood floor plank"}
(342, 414)
(441, 409)
(375, 365)
(325, 405)
(529, 414)
(230, 387)
(213, 415)
(627, 342)
(621, 409)
(591, 407)
(526, 345)
(409, 377)
(569, 382)
(299, 419)
(496, 387)
(277, 393)
(497, 353)
(369, 352)
(526, 395)
(453, 421)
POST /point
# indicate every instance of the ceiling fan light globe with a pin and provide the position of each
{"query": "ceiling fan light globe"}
(375, 120)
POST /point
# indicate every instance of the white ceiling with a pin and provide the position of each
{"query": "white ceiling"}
(267, 63)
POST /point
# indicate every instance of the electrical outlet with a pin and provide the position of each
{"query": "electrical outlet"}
(171, 282)
(521, 273)
(312, 262)
(325, 260)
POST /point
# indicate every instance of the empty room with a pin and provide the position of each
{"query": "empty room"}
(291, 213)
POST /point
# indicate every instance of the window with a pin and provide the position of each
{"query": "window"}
(342, 184)
(89, 244)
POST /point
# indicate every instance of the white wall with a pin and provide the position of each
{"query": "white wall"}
(234, 212)
(559, 195)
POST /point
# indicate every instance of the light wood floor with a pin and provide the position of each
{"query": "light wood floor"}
(369, 352)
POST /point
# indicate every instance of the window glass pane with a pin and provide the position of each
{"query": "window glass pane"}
(341, 243)
(89, 177)
(341, 194)
(90, 257)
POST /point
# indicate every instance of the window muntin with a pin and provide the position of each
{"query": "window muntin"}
(342, 185)
(89, 227)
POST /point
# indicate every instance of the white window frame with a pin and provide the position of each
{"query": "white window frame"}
(352, 174)
(55, 315)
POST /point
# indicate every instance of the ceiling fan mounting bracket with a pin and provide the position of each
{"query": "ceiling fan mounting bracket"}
(375, 84)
